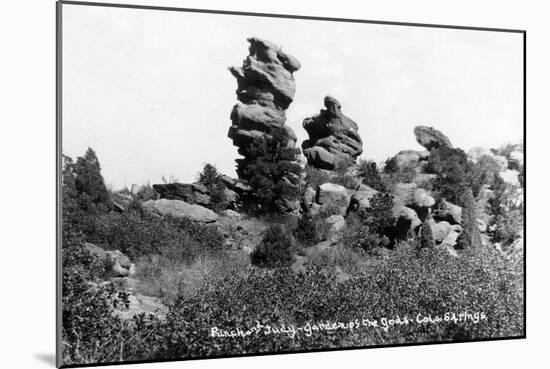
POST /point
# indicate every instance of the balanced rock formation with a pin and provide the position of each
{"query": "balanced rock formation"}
(332, 137)
(265, 89)
(431, 138)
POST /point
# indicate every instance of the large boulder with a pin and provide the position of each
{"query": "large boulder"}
(181, 209)
(116, 263)
(333, 196)
(431, 138)
(361, 199)
(452, 236)
(416, 198)
(510, 176)
(332, 137)
(410, 158)
(440, 230)
(265, 89)
(516, 160)
(192, 193)
(447, 211)
(405, 220)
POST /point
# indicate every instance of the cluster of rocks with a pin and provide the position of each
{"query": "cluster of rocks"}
(333, 137)
(265, 89)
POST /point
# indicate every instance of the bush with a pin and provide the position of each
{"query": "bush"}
(275, 250)
(316, 177)
(370, 175)
(358, 236)
(378, 217)
(306, 231)
(137, 236)
(396, 174)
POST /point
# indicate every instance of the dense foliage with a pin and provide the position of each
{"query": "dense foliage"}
(272, 170)
(470, 236)
(426, 235)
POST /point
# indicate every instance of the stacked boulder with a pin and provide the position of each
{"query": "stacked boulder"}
(265, 89)
(431, 138)
(332, 137)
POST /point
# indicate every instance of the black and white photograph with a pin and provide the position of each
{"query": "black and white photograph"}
(239, 184)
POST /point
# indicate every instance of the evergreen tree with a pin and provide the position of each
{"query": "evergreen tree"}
(211, 179)
(271, 168)
(371, 177)
(469, 238)
(426, 235)
(93, 196)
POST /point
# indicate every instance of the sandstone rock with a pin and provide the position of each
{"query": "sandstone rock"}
(332, 137)
(416, 198)
(477, 153)
(193, 193)
(231, 214)
(410, 158)
(361, 198)
(440, 230)
(115, 261)
(450, 239)
(333, 196)
(336, 223)
(405, 220)
(430, 137)
(265, 89)
(510, 176)
(179, 208)
(447, 211)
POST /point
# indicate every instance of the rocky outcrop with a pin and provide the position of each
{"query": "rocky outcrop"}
(192, 193)
(143, 192)
(334, 197)
(332, 137)
(116, 263)
(431, 138)
(265, 89)
(361, 198)
(181, 209)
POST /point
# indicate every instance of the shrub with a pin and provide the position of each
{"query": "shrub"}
(378, 217)
(370, 175)
(396, 174)
(506, 221)
(358, 236)
(306, 231)
(271, 168)
(342, 165)
(275, 249)
(136, 236)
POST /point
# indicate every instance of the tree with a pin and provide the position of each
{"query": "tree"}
(272, 170)
(211, 179)
(426, 235)
(93, 196)
(469, 238)
(378, 216)
(454, 173)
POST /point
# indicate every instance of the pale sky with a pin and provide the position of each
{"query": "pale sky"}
(150, 92)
